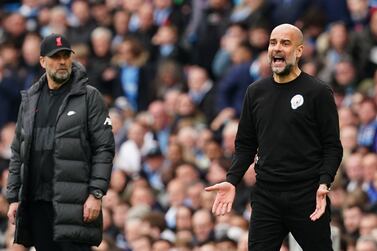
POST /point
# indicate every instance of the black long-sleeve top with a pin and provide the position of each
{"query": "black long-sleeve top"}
(294, 130)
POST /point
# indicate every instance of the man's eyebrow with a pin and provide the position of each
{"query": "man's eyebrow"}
(282, 40)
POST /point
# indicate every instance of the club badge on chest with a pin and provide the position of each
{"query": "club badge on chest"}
(297, 101)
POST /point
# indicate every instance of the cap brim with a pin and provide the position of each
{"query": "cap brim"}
(57, 50)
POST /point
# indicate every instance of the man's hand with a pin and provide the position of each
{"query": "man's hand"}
(13, 207)
(223, 116)
(224, 197)
(321, 202)
(92, 208)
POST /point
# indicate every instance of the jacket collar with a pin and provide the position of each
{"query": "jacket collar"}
(79, 81)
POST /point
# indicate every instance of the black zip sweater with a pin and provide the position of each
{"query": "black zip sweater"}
(294, 130)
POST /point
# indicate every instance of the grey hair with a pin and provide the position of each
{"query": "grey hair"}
(368, 239)
(100, 32)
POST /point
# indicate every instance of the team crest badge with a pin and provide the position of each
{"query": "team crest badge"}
(59, 41)
(297, 101)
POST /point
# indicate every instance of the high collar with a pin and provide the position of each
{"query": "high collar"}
(79, 80)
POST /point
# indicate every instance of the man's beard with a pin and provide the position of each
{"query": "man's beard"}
(287, 69)
(60, 78)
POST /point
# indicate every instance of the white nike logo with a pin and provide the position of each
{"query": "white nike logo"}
(70, 113)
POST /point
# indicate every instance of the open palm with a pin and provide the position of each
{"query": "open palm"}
(224, 197)
(320, 202)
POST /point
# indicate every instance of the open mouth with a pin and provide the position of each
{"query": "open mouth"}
(278, 59)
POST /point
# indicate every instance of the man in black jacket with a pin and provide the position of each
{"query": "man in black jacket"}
(61, 157)
(290, 121)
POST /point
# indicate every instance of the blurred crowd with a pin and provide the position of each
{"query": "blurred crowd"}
(173, 74)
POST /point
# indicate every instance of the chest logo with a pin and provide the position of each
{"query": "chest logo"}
(297, 101)
(70, 113)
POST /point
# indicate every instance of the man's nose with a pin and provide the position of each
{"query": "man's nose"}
(277, 47)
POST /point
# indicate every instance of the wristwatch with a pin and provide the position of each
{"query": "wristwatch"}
(97, 193)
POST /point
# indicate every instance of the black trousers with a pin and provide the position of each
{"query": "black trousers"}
(41, 216)
(276, 213)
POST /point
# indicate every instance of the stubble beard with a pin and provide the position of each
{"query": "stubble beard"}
(60, 78)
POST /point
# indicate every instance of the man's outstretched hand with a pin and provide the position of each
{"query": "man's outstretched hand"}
(320, 202)
(225, 193)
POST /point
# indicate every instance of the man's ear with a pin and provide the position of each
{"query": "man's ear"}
(42, 61)
(299, 51)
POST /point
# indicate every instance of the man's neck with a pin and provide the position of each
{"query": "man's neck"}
(282, 79)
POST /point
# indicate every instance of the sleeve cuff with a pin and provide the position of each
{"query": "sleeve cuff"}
(12, 200)
(325, 179)
(92, 189)
(232, 180)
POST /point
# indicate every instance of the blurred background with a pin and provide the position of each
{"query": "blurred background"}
(173, 74)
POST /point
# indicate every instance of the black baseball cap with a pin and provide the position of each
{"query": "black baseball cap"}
(54, 43)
